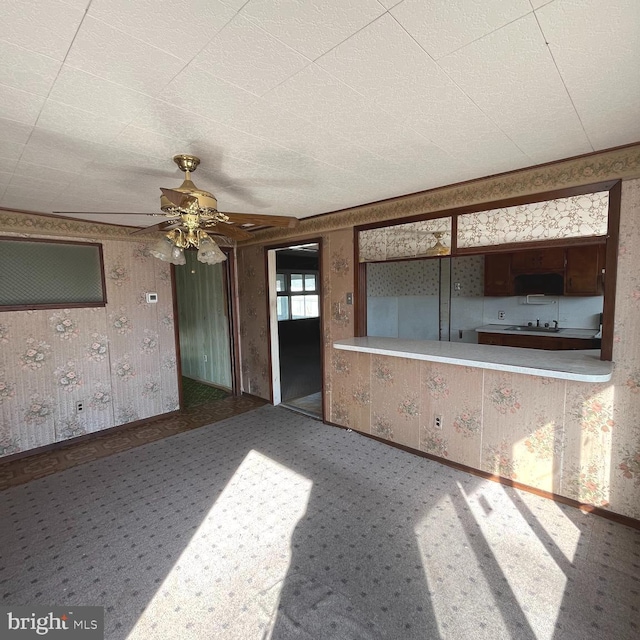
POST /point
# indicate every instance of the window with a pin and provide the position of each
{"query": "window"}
(297, 295)
(49, 274)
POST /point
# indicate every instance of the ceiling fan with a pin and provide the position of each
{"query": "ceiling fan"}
(192, 214)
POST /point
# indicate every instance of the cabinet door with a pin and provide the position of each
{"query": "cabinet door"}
(490, 338)
(538, 260)
(497, 275)
(583, 275)
(532, 342)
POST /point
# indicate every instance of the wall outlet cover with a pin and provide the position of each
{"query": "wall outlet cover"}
(151, 297)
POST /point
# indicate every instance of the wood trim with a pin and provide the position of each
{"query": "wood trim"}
(74, 219)
(586, 508)
(61, 305)
(492, 176)
(231, 273)
(492, 204)
(285, 245)
(323, 319)
(512, 247)
(176, 332)
(95, 435)
(360, 289)
(611, 272)
(265, 260)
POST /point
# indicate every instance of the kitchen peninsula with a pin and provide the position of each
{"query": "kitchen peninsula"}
(581, 366)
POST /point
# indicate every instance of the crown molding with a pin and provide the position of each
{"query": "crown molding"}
(615, 164)
(13, 221)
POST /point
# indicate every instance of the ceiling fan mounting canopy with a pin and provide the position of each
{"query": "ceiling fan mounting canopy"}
(205, 202)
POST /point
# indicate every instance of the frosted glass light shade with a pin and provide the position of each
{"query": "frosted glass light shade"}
(167, 252)
(209, 252)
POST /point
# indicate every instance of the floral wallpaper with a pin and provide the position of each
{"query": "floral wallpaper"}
(118, 360)
(254, 333)
(572, 439)
(405, 278)
(584, 215)
(468, 271)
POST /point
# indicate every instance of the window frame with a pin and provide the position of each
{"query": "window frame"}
(61, 305)
(288, 293)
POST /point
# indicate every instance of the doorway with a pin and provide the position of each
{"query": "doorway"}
(295, 317)
(204, 316)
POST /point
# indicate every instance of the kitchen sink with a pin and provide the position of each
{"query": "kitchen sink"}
(534, 328)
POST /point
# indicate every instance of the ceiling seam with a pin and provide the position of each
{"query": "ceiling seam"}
(437, 62)
(555, 64)
(46, 98)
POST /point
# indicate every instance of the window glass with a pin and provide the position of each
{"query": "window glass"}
(297, 282)
(283, 308)
(50, 273)
(311, 306)
(281, 282)
(309, 282)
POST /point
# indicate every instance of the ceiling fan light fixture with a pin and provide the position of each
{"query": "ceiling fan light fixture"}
(209, 252)
(438, 249)
(167, 252)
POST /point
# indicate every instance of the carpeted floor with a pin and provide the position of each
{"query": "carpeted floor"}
(273, 525)
(195, 393)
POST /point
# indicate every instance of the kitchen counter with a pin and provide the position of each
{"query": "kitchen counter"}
(563, 333)
(582, 366)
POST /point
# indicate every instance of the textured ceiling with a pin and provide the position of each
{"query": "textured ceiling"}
(302, 107)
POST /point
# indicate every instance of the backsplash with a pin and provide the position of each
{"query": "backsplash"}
(577, 313)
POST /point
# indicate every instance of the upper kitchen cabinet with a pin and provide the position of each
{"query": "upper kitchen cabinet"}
(497, 275)
(584, 270)
(538, 260)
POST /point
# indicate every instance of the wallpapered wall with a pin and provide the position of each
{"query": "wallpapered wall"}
(575, 439)
(120, 360)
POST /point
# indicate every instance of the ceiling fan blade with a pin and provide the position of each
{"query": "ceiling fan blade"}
(161, 226)
(259, 219)
(110, 213)
(179, 199)
(228, 230)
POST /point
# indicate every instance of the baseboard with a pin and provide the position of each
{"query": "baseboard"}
(87, 436)
(587, 508)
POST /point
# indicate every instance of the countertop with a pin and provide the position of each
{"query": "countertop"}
(563, 333)
(582, 366)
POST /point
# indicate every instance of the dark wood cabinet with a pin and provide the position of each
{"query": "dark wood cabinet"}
(548, 343)
(581, 267)
(584, 270)
(497, 275)
(538, 260)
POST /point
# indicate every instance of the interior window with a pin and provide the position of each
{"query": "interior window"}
(297, 295)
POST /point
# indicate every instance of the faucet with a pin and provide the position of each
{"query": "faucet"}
(537, 322)
(555, 324)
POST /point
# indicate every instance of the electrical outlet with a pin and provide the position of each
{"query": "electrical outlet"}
(349, 298)
(79, 406)
(501, 315)
(437, 422)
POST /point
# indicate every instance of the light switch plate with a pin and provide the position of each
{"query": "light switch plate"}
(151, 297)
(349, 298)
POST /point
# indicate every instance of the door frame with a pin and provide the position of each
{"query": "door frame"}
(230, 284)
(272, 315)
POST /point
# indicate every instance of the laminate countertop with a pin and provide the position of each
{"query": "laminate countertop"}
(563, 333)
(578, 365)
